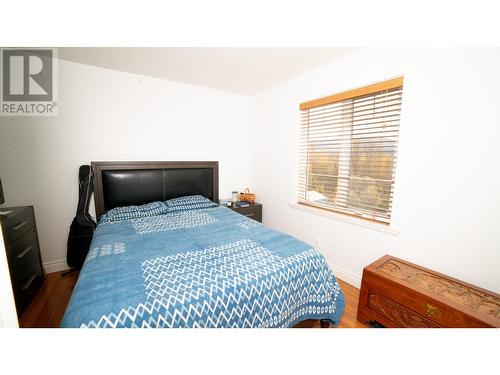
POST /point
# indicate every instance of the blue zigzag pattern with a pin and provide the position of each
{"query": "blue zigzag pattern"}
(131, 212)
(240, 284)
(173, 221)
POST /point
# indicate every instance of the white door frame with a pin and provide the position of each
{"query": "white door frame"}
(8, 314)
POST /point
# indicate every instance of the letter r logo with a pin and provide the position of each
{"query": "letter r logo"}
(27, 75)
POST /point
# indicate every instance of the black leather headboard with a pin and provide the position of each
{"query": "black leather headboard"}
(118, 184)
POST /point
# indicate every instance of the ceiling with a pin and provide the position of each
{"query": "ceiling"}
(239, 70)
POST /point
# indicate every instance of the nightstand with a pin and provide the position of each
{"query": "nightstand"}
(253, 211)
(23, 254)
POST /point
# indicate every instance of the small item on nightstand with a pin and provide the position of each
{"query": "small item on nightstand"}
(247, 196)
(242, 204)
(234, 197)
(225, 202)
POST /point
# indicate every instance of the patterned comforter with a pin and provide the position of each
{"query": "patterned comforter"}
(208, 267)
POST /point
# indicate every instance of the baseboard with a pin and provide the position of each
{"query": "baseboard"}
(56, 266)
(346, 276)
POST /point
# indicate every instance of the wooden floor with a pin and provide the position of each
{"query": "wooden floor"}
(351, 295)
(47, 309)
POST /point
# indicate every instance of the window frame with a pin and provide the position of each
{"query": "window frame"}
(345, 96)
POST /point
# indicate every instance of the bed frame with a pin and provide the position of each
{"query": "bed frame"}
(125, 183)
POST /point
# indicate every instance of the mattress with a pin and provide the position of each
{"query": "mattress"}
(208, 267)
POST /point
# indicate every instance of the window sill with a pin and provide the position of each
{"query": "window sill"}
(346, 219)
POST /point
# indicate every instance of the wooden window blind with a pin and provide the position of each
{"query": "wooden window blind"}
(348, 147)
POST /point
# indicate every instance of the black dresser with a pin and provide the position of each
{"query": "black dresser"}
(23, 253)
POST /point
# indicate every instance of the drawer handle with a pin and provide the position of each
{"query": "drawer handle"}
(19, 226)
(28, 283)
(23, 253)
(250, 215)
(432, 311)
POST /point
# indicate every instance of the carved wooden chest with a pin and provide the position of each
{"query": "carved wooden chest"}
(395, 293)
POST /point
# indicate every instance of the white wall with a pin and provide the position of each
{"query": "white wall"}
(446, 201)
(111, 115)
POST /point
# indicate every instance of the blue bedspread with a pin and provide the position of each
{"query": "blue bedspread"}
(200, 268)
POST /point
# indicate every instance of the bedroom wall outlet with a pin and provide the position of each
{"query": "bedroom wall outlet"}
(317, 243)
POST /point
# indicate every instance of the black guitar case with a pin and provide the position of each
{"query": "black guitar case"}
(83, 226)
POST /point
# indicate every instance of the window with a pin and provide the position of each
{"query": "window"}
(348, 146)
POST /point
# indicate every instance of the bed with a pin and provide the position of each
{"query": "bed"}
(166, 254)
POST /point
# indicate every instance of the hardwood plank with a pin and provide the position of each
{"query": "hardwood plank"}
(47, 308)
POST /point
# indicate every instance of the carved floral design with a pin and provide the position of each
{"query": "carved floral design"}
(451, 290)
(400, 315)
